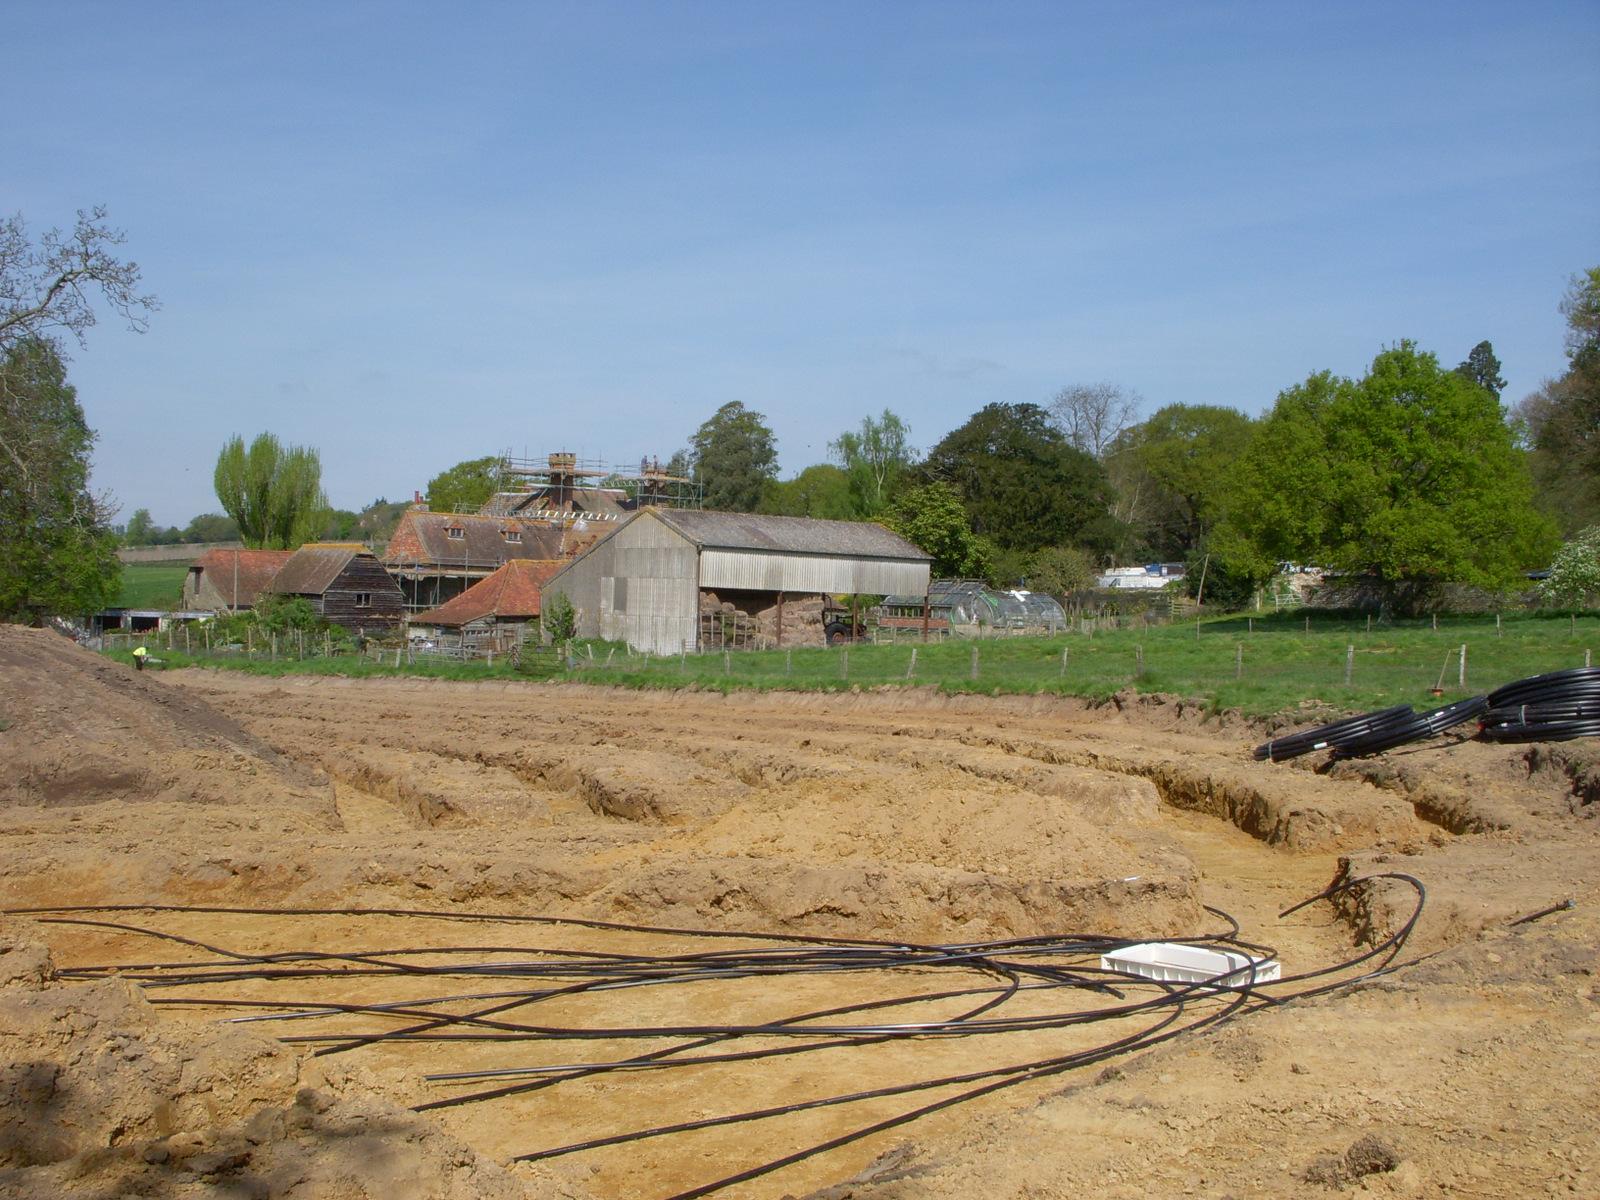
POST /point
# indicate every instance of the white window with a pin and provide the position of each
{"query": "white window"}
(454, 532)
(512, 535)
(363, 599)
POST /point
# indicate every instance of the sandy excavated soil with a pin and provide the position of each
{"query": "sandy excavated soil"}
(900, 816)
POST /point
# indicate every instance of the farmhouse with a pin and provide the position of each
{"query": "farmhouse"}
(345, 583)
(675, 579)
(231, 579)
(434, 556)
(493, 614)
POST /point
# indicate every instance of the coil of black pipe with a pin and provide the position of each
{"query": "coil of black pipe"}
(1324, 736)
(1554, 707)
(1421, 725)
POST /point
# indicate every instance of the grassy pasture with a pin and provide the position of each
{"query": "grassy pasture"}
(1260, 665)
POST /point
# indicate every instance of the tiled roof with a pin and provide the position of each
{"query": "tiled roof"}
(240, 574)
(789, 535)
(512, 591)
(311, 570)
(424, 537)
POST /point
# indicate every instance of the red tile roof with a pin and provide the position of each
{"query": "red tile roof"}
(256, 569)
(512, 591)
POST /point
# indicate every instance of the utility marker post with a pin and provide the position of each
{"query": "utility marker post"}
(1461, 676)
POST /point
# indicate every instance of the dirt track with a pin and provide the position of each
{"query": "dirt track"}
(889, 816)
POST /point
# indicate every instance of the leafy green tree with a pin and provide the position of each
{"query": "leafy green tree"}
(1172, 471)
(1561, 421)
(211, 527)
(1574, 578)
(57, 554)
(933, 518)
(1483, 368)
(875, 457)
(465, 487)
(1025, 487)
(273, 492)
(339, 525)
(1061, 569)
(822, 490)
(1408, 474)
(140, 530)
(735, 457)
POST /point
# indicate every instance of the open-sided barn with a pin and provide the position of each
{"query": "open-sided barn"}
(664, 576)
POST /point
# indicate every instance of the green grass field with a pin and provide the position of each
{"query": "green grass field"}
(1260, 666)
(152, 585)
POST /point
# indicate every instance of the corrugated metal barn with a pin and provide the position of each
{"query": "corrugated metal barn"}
(648, 581)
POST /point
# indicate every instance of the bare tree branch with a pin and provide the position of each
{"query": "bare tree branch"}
(1090, 415)
(48, 288)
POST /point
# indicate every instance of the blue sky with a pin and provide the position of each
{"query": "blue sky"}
(414, 234)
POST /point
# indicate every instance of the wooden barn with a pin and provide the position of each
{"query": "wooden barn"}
(493, 614)
(230, 580)
(677, 579)
(345, 583)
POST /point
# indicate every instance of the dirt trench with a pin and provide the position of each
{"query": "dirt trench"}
(899, 816)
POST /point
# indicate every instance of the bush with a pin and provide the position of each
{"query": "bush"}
(560, 619)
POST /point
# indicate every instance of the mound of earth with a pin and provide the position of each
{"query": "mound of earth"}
(113, 782)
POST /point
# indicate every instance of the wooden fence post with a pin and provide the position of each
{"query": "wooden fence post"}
(1138, 660)
(1349, 663)
(1461, 679)
(1063, 662)
(844, 663)
(911, 668)
(1238, 660)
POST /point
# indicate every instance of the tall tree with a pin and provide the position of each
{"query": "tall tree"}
(1024, 486)
(57, 554)
(875, 457)
(735, 458)
(1483, 368)
(1091, 415)
(1408, 474)
(1561, 421)
(1171, 473)
(465, 487)
(933, 518)
(272, 491)
(141, 529)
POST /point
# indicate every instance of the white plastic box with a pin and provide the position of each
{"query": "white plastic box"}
(1173, 962)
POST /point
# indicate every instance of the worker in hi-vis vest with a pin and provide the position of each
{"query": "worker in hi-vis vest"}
(139, 653)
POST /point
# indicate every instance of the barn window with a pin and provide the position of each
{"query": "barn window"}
(363, 599)
(454, 532)
(512, 535)
(619, 595)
